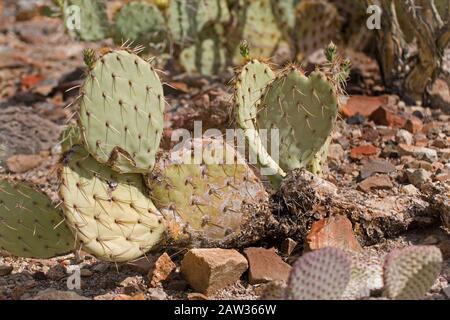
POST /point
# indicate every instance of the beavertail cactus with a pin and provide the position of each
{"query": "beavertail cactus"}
(319, 275)
(207, 56)
(109, 213)
(409, 273)
(256, 24)
(70, 136)
(317, 22)
(30, 225)
(85, 20)
(188, 18)
(208, 194)
(121, 112)
(143, 24)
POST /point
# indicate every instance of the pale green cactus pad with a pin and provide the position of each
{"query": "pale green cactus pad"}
(30, 225)
(284, 11)
(409, 273)
(207, 195)
(187, 18)
(109, 213)
(143, 24)
(317, 23)
(70, 136)
(250, 84)
(319, 275)
(257, 25)
(121, 112)
(207, 56)
(86, 20)
(304, 110)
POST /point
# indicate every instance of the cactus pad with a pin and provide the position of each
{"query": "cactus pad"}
(207, 56)
(121, 112)
(409, 273)
(319, 275)
(206, 196)
(143, 24)
(93, 19)
(109, 213)
(69, 137)
(304, 110)
(257, 25)
(30, 226)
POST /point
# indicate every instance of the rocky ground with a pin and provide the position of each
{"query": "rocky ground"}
(383, 152)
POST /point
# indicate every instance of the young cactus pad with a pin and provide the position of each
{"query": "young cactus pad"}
(143, 24)
(250, 85)
(110, 214)
(319, 275)
(86, 20)
(30, 225)
(409, 273)
(206, 192)
(304, 110)
(121, 112)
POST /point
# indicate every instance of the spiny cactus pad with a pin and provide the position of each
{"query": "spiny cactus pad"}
(304, 110)
(121, 112)
(30, 225)
(92, 22)
(319, 275)
(187, 18)
(207, 195)
(317, 23)
(250, 85)
(109, 213)
(257, 25)
(207, 56)
(143, 24)
(409, 273)
(70, 136)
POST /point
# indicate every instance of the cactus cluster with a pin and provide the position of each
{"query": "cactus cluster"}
(331, 273)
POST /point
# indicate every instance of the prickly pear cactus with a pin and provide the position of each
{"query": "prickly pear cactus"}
(317, 23)
(409, 273)
(187, 18)
(85, 20)
(256, 24)
(304, 110)
(70, 136)
(143, 24)
(209, 196)
(284, 11)
(250, 84)
(207, 56)
(30, 225)
(121, 112)
(109, 213)
(319, 275)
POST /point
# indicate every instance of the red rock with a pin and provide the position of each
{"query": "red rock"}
(23, 162)
(265, 265)
(139, 296)
(363, 105)
(414, 125)
(161, 270)
(362, 151)
(209, 270)
(375, 182)
(388, 117)
(440, 95)
(196, 296)
(336, 231)
(30, 81)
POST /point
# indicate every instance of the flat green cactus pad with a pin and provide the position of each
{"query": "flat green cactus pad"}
(206, 200)
(121, 112)
(110, 214)
(304, 110)
(30, 225)
(70, 136)
(143, 24)
(86, 20)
